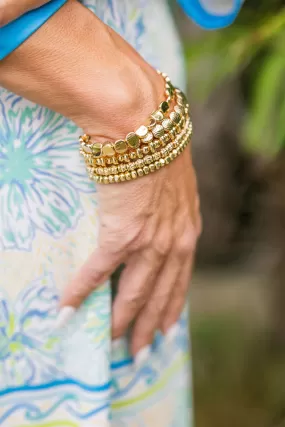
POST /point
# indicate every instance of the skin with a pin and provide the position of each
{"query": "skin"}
(151, 224)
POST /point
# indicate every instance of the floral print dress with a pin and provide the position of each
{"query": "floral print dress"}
(74, 377)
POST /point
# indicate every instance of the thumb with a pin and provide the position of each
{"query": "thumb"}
(94, 272)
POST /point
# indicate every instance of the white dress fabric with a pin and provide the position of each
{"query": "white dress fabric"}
(74, 377)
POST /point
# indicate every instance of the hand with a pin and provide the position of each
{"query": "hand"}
(13, 9)
(151, 225)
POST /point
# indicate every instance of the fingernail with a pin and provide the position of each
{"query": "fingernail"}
(172, 333)
(64, 316)
(118, 343)
(142, 356)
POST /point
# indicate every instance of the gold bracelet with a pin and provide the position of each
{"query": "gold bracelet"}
(165, 136)
(148, 159)
(145, 170)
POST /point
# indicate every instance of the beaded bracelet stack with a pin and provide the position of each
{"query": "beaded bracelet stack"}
(146, 150)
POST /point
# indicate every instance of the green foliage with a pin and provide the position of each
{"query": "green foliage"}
(254, 49)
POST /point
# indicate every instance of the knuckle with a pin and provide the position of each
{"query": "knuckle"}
(187, 242)
(162, 246)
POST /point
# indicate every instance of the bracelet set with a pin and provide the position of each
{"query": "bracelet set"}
(146, 150)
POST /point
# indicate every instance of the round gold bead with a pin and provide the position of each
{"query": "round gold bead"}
(133, 140)
(121, 158)
(146, 170)
(172, 156)
(157, 143)
(108, 150)
(158, 131)
(120, 146)
(133, 155)
(156, 156)
(106, 180)
(122, 177)
(162, 162)
(148, 138)
(126, 158)
(164, 106)
(111, 179)
(148, 160)
(142, 131)
(96, 149)
(139, 153)
(157, 165)
(152, 167)
(109, 161)
(117, 178)
(134, 175)
(152, 147)
(145, 150)
(140, 172)
(157, 115)
(175, 153)
(128, 176)
(140, 163)
(115, 161)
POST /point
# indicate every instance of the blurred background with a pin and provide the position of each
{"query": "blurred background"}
(236, 80)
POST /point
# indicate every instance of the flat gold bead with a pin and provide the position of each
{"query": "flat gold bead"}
(148, 138)
(157, 115)
(152, 167)
(111, 179)
(140, 172)
(133, 140)
(167, 124)
(142, 131)
(172, 156)
(96, 149)
(120, 146)
(175, 117)
(123, 168)
(158, 131)
(106, 180)
(86, 148)
(178, 110)
(162, 162)
(128, 176)
(152, 147)
(108, 150)
(152, 123)
(164, 106)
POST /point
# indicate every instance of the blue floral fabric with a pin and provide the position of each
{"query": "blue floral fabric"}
(75, 377)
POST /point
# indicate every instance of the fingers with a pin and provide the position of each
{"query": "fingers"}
(179, 296)
(12, 9)
(150, 316)
(134, 289)
(97, 269)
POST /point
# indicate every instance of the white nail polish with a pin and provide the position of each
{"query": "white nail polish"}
(172, 333)
(118, 343)
(65, 314)
(142, 356)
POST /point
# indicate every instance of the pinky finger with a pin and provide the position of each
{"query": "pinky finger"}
(178, 298)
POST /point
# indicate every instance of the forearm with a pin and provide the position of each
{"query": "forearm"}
(77, 66)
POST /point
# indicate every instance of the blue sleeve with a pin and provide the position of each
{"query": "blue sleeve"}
(15, 33)
(212, 14)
